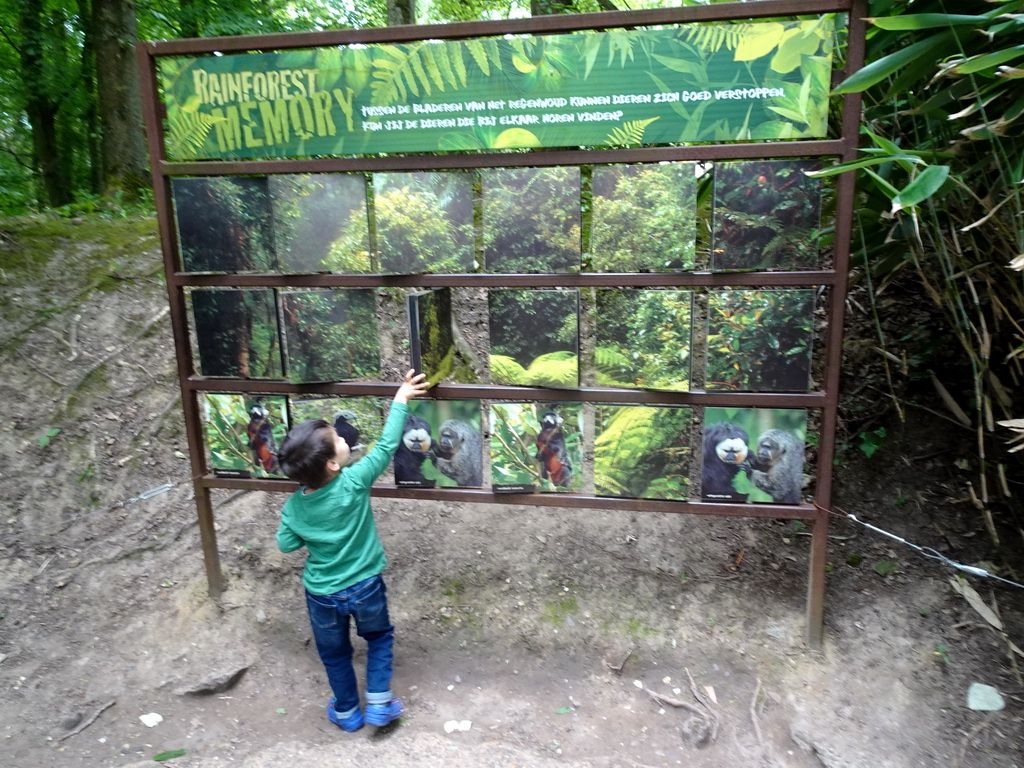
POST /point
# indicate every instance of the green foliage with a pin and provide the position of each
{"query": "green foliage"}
(941, 179)
(531, 219)
(555, 369)
(759, 340)
(649, 332)
(317, 215)
(424, 222)
(365, 413)
(46, 437)
(642, 452)
(767, 215)
(506, 370)
(871, 441)
(223, 224)
(527, 324)
(332, 334)
(643, 218)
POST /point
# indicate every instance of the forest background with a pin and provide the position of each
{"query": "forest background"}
(939, 208)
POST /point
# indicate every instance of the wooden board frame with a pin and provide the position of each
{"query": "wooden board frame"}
(842, 148)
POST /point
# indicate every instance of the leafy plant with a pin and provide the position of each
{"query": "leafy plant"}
(44, 439)
(642, 452)
(942, 174)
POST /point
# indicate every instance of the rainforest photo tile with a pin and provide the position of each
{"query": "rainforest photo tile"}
(767, 215)
(760, 341)
(534, 337)
(441, 446)
(237, 332)
(431, 334)
(223, 224)
(643, 338)
(331, 334)
(642, 452)
(644, 218)
(359, 420)
(531, 219)
(321, 222)
(536, 447)
(242, 433)
(753, 455)
(424, 222)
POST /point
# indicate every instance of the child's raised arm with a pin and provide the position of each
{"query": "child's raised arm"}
(413, 386)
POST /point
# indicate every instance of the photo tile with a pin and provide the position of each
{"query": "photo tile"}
(753, 455)
(331, 334)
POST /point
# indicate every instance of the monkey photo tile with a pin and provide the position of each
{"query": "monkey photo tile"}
(536, 447)
(531, 219)
(321, 223)
(754, 455)
(331, 334)
(432, 334)
(242, 433)
(237, 332)
(441, 446)
(223, 224)
(534, 336)
(642, 338)
(642, 452)
(644, 218)
(424, 222)
(359, 420)
(767, 215)
(760, 341)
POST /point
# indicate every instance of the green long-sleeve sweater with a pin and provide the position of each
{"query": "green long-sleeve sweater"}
(335, 522)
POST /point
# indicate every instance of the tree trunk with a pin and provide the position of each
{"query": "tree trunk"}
(123, 147)
(91, 116)
(41, 108)
(401, 12)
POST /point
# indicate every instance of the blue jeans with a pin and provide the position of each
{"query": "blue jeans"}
(366, 602)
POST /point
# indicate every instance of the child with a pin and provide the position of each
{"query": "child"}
(330, 515)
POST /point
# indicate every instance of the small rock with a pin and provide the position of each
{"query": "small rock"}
(984, 698)
(214, 683)
(71, 721)
(457, 725)
(261, 616)
(151, 720)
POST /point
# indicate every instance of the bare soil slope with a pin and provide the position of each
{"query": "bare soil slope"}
(527, 636)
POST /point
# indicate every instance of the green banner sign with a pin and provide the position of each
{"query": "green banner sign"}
(692, 83)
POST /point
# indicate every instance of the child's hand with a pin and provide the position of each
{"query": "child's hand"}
(413, 386)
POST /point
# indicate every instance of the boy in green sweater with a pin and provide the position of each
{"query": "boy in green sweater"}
(330, 515)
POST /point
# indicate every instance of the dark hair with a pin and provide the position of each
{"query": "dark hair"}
(305, 451)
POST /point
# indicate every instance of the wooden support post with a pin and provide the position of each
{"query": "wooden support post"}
(208, 538)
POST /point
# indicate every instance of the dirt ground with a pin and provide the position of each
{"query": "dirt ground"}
(526, 636)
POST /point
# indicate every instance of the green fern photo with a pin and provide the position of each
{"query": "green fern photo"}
(642, 338)
(642, 452)
(534, 336)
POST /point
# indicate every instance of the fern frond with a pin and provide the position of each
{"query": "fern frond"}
(711, 38)
(425, 67)
(629, 134)
(189, 131)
